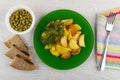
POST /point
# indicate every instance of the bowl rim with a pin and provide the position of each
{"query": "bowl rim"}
(13, 9)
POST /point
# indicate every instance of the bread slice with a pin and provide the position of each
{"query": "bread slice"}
(21, 63)
(17, 42)
(13, 51)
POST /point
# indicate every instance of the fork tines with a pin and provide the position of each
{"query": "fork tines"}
(111, 17)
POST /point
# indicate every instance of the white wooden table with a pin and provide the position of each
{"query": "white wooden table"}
(87, 71)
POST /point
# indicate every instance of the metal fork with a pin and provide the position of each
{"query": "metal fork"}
(108, 28)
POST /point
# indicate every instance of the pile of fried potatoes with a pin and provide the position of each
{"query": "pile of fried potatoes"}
(70, 43)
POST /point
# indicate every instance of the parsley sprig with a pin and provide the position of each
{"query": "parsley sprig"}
(53, 32)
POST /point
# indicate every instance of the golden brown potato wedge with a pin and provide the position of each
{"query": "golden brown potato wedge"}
(43, 34)
(66, 55)
(47, 46)
(69, 36)
(73, 30)
(66, 32)
(75, 51)
(73, 44)
(77, 26)
(82, 41)
(76, 36)
(54, 52)
(63, 41)
(62, 50)
(67, 21)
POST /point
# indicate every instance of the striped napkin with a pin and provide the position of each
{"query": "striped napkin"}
(113, 54)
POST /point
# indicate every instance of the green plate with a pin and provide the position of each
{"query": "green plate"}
(56, 62)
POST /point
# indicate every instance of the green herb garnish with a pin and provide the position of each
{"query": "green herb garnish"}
(53, 32)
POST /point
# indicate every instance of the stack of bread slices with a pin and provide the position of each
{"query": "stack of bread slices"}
(19, 53)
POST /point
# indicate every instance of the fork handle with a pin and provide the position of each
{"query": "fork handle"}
(103, 59)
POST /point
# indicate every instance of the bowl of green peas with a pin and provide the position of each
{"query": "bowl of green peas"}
(20, 19)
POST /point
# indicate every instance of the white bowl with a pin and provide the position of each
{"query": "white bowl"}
(13, 9)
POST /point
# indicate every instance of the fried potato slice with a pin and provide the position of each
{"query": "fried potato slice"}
(82, 41)
(67, 21)
(54, 51)
(73, 44)
(66, 55)
(62, 50)
(76, 36)
(63, 41)
(66, 32)
(73, 30)
(75, 51)
(77, 26)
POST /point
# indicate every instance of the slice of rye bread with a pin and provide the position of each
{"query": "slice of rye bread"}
(21, 63)
(17, 42)
(13, 51)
